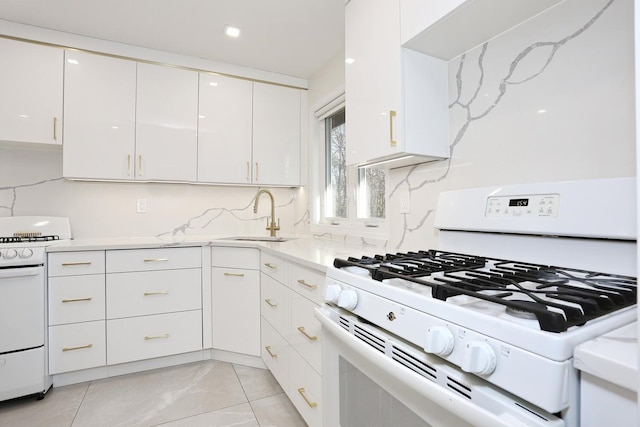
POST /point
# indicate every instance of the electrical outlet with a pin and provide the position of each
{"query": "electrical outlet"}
(141, 206)
(405, 202)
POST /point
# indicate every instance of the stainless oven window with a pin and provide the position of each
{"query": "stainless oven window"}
(364, 403)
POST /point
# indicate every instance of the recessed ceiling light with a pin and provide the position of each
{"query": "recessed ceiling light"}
(72, 61)
(231, 31)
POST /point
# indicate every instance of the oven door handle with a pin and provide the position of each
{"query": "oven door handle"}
(20, 272)
(448, 401)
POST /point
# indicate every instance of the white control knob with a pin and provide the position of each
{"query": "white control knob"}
(348, 299)
(332, 293)
(10, 254)
(478, 358)
(439, 341)
(26, 253)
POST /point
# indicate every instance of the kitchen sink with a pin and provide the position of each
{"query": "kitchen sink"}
(259, 238)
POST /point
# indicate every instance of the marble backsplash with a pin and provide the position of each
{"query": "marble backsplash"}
(550, 100)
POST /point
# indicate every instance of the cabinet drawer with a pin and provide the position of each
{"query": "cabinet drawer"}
(305, 390)
(273, 266)
(153, 292)
(275, 353)
(74, 263)
(304, 330)
(145, 337)
(274, 303)
(153, 259)
(76, 299)
(77, 346)
(236, 310)
(307, 281)
(247, 258)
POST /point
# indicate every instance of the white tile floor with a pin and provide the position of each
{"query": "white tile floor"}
(203, 394)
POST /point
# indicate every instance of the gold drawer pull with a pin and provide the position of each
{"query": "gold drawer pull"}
(67, 264)
(55, 128)
(268, 348)
(155, 337)
(146, 294)
(307, 285)
(309, 337)
(234, 274)
(268, 264)
(76, 299)
(156, 260)
(311, 404)
(271, 304)
(77, 348)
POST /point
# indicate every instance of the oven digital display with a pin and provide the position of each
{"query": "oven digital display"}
(518, 202)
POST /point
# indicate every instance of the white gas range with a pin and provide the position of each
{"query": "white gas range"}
(483, 339)
(23, 352)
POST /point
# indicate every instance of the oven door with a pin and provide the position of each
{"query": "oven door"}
(22, 311)
(365, 385)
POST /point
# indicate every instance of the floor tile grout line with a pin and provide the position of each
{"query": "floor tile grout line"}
(84, 395)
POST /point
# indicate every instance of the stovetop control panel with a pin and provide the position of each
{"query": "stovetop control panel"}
(538, 205)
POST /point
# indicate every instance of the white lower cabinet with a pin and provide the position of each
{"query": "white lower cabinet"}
(77, 346)
(146, 337)
(291, 334)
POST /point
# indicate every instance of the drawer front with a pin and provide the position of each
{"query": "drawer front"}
(274, 303)
(153, 259)
(75, 263)
(236, 310)
(305, 390)
(245, 258)
(77, 346)
(273, 266)
(153, 292)
(275, 353)
(307, 281)
(304, 331)
(145, 337)
(76, 299)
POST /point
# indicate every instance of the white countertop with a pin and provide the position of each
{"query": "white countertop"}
(314, 252)
(612, 357)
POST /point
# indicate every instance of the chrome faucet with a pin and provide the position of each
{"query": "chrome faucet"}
(272, 227)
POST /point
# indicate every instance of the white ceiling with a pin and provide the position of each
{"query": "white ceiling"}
(292, 37)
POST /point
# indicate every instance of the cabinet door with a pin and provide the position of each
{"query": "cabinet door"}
(236, 310)
(99, 116)
(276, 134)
(373, 86)
(224, 129)
(166, 123)
(31, 93)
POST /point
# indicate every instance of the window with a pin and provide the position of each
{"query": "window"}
(351, 195)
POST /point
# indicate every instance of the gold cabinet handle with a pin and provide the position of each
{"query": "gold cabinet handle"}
(271, 304)
(67, 264)
(146, 294)
(234, 274)
(77, 348)
(76, 299)
(140, 165)
(268, 264)
(306, 399)
(309, 337)
(256, 171)
(248, 171)
(55, 128)
(392, 116)
(155, 337)
(128, 164)
(156, 260)
(307, 285)
(273, 355)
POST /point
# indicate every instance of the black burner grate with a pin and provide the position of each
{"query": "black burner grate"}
(22, 239)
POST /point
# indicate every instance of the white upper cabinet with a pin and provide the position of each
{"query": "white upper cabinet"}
(277, 134)
(99, 117)
(396, 99)
(30, 93)
(166, 123)
(224, 129)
